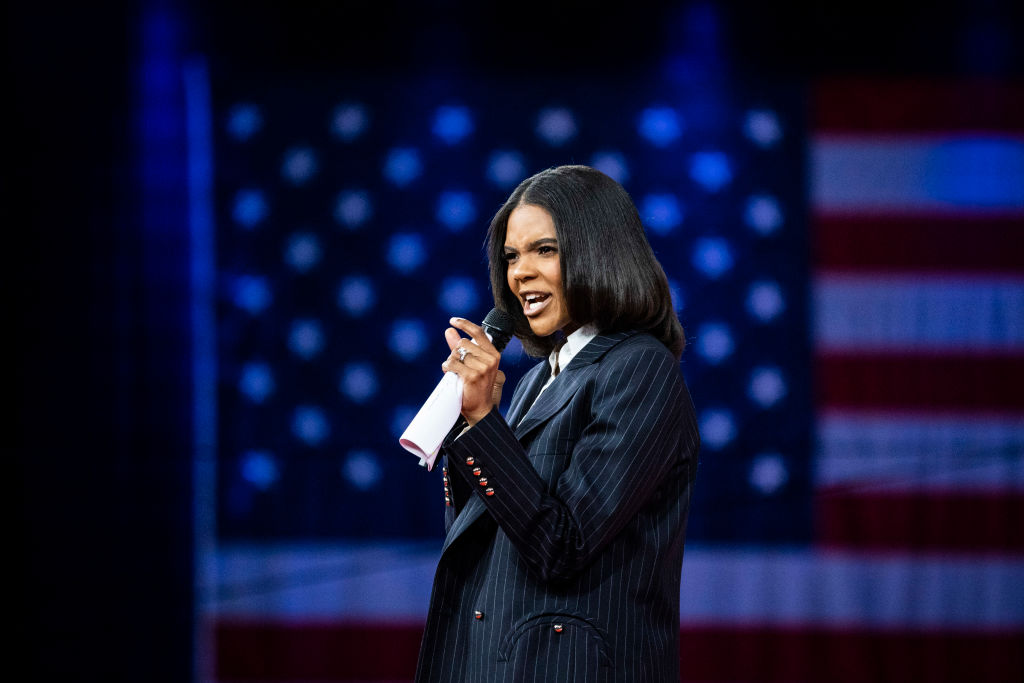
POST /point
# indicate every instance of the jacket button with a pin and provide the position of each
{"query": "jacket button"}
(477, 471)
(477, 614)
(489, 491)
(470, 460)
(558, 628)
(483, 481)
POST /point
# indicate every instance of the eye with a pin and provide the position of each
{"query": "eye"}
(510, 256)
(546, 249)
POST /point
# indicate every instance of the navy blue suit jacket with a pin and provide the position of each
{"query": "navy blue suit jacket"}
(565, 534)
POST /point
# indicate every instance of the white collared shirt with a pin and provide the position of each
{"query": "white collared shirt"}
(560, 358)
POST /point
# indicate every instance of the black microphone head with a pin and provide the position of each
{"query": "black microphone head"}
(500, 326)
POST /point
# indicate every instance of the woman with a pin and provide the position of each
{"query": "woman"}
(566, 519)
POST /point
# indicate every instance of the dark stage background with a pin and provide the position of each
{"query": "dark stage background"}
(237, 230)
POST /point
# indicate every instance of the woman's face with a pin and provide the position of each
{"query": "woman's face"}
(535, 270)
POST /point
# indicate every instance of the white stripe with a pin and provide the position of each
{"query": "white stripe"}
(918, 313)
(805, 587)
(948, 452)
(392, 583)
(383, 582)
(856, 173)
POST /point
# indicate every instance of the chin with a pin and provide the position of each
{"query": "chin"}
(543, 328)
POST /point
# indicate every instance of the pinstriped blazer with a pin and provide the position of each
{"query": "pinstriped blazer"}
(565, 535)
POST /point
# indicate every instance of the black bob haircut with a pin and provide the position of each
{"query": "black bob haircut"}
(611, 277)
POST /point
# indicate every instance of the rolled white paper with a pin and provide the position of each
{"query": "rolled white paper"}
(434, 420)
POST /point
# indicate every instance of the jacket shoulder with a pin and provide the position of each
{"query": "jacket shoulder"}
(641, 344)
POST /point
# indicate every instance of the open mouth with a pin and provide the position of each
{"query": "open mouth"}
(534, 303)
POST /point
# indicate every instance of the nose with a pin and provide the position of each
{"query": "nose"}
(522, 269)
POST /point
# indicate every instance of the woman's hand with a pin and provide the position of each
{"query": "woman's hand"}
(478, 368)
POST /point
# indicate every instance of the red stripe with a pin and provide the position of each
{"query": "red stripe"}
(962, 383)
(368, 652)
(919, 243)
(248, 651)
(840, 655)
(957, 521)
(916, 106)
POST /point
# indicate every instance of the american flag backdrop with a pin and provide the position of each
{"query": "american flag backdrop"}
(846, 261)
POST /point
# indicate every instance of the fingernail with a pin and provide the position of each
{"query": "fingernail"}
(454, 320)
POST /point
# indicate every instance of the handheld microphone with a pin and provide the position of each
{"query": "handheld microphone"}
(441, 410)
(499, 326)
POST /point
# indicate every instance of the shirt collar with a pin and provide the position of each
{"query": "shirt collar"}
(574, 343)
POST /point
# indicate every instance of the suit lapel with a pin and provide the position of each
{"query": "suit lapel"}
(470, 513)
(531, 383)
(569, 380)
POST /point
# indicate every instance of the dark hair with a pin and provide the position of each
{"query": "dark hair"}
(611, 277)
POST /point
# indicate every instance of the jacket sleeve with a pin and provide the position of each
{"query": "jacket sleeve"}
(640, 426)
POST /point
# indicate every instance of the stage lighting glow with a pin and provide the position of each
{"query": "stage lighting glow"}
(711, 170)
(456, 210)
(358, 382)
(403, 165)
(349, 121)
(712, 256)
(458, 296)
(762, 127)
(256, 382)
(309, 425)
(356, 295)
(452, 124)
(302, 251)
(408, 338)
(401, 418)
(299, 165)
(767, 386)
(612, 164)
(676, 291)
(661, 126)
(717, 428)
(244, 121)
(715, 342)
(407, 251)
(506, 168)
(361, 468)
(661, 212)
(259, 468)
(556, 126)
(353, 208)
(768, 473)
(763, 214)
(250, 208)
(764, 301)
(306, 338)
(252, 293)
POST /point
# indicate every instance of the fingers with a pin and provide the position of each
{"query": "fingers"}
(452, 336)
(475, 332)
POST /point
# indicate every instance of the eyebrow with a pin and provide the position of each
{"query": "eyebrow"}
(535, 244)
